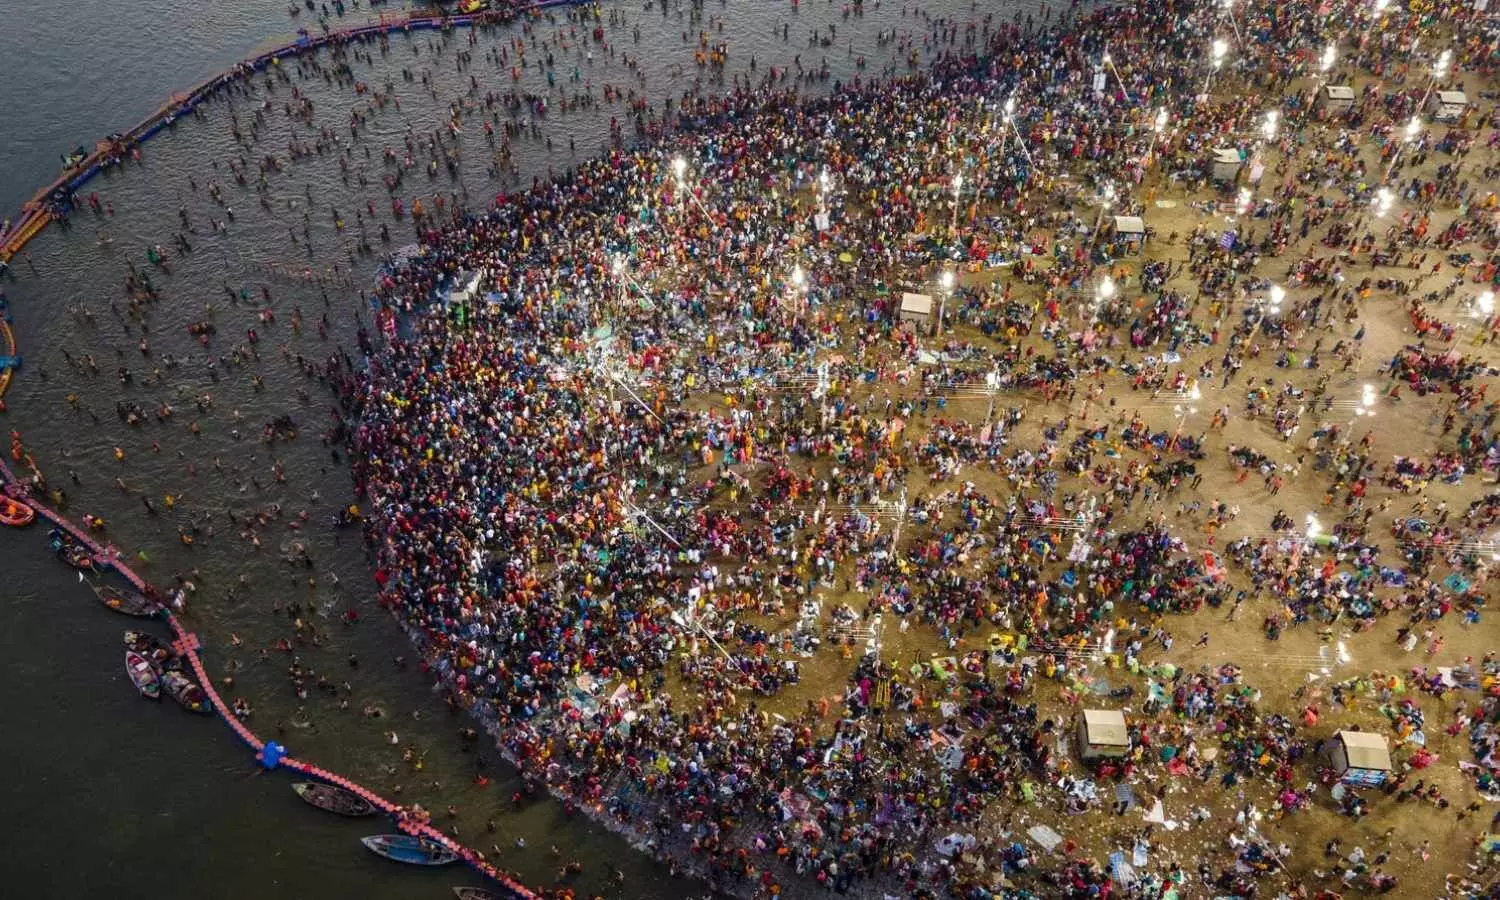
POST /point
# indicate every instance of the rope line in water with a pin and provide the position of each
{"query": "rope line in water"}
(187, 645)
(36, 216)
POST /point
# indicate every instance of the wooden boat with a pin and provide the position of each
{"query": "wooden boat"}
(142, 675)
(149, 646)
(73, 551)
(130, 603)
(411, 850)
(334, 799)
(15, 513)
(79, 557)
(186, 692)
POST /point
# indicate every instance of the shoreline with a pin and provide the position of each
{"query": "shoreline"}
(558, 776)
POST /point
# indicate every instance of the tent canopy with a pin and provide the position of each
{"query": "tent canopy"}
(916, 304)
(1105, 728)
(1364, 750)
(1453, 98)
(1130, 225)
(1338, 92)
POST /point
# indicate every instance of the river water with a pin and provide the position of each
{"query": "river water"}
(108, 792)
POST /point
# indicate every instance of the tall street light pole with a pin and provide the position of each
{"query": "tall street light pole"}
(958, 186)
(1158, 128)
(1412, 130)
(945, 281)
(1439, 72)
(1217, 51)
(1106, 200)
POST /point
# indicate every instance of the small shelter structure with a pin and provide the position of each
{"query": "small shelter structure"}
(1226, 164)
(1360, 758)
(1447, 106)
(1337, 98)
(1131, 230)
(1102, 733)
(916, 309)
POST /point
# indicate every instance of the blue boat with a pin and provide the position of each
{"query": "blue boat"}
(413, 850)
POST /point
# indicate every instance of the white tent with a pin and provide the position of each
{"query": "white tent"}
(467, 286)
(1447, 106)
(1102, 732)
(1360, 758)
(1226, 164)
(1337, 98)
(1130, 228)
(916, 308)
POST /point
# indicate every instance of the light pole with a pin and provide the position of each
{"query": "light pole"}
(1102, 295)
(1325, 65)
(617, 266)
(1277, 294)
(1377, 10)
(680, 168)
(1110, 64)
(1272, 305)
(1106, 200)
(945, 281)
(992, 386)
(1268, 129)
(1217, 51)
(621, 268)
(1242, 201)
(1183, 411)
(1229, 14)
(1158, 128)
(1439, 72)
(1364, 407)
(1009, 116)
(799, 292)
(958, 185)
(1413, 129)
(1482, 307)
(1486, 305)
(900, 520)
(1383, 200)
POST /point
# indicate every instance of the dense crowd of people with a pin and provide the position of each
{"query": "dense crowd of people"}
(648, 449)
(622, 417)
